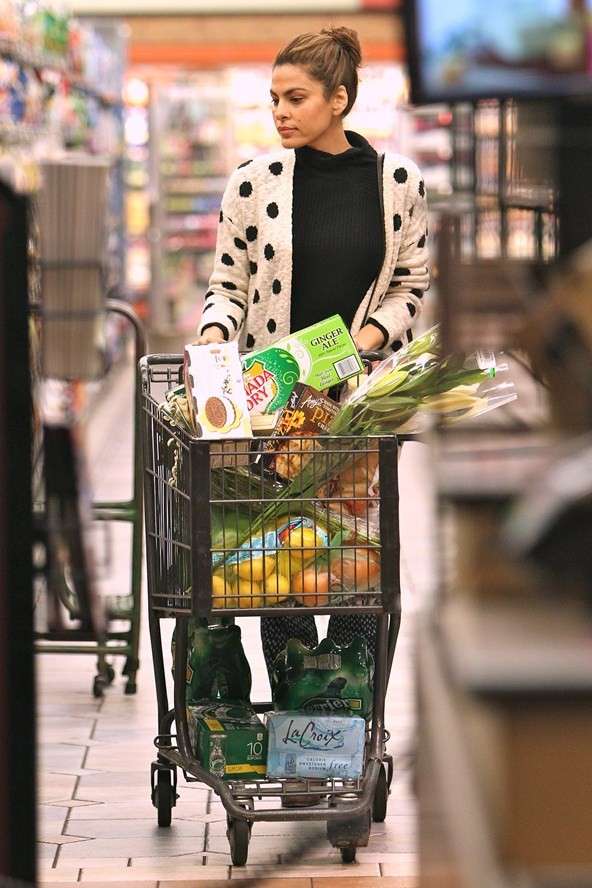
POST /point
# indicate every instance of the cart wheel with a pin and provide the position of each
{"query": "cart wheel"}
(130, 686)
(348, 855)
(109, 674)
(99, 685)
(164, 798)
(381, 793)
(238, 836)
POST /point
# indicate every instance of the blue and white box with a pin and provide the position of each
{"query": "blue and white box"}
(302, 745)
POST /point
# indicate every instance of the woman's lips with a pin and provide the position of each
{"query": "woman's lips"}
(286, 130)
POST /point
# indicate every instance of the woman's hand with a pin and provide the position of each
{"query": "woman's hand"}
(369, 339)
(212, 335)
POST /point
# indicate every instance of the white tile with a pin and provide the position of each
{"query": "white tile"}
(133, 829)
(317, 869)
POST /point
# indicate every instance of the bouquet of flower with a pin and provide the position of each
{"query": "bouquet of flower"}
(410, 388)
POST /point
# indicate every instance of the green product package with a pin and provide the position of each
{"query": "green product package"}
(330, 678)
(323, 355)
(217, 668)
(229, 739)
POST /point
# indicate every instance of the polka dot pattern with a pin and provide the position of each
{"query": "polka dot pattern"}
(272, 210)
(409, 335)
(271, 325)
(400, 175)
(207, 306)
(250, 341)
(228, 285)
(253, 267)
(246, 189)
(397, 222)
(269, 252)
(401, 272)
(411, 309)
(276, 168)
(234, 323)
(244, 164)
(240, 244)
(221, 216)
(418, 293)
(251, 233)
(209, 293)
(421, 188)
(276, 286)
(421, 242)
(226, 259)
(256, 297)
(397, 344)
(411, 209)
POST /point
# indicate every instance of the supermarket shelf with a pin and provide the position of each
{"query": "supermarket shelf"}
(516, 650)
(19, 133)
(41, 61)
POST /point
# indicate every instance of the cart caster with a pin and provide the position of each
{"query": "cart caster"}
(348, 855)
(238, 833)
(347, 835)
(381, 794)
(164, 798)
(99, 685)
(130, 686)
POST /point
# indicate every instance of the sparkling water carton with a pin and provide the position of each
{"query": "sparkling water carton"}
(301, 745)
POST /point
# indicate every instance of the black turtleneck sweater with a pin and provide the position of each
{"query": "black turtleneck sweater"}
(338, 236)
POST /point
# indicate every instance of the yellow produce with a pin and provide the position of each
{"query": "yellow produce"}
(249, 593)
(276, 588)
(223, 592)
(306, 538)
(256, 567)
(288, 563)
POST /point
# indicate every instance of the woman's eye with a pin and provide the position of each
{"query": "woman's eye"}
(274, 102)
(296, 100)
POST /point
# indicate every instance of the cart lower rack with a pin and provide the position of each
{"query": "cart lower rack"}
(199, 497)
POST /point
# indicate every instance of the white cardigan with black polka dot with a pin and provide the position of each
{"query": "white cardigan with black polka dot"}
(250, 287)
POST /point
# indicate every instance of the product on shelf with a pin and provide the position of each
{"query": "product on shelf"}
(322, 746)
(326, 356)
(330, 678)
(229, 739)
(217, 398)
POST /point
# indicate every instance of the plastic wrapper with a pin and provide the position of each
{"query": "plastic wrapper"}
(329, 678)
(217, 668)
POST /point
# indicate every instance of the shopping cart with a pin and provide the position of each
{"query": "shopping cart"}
(179, 494)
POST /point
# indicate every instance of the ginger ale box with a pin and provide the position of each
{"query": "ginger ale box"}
(215, 392)
(320, 356)
(303, 745)
(229, 739)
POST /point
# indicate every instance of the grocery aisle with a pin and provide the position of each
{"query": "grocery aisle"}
(96, 820)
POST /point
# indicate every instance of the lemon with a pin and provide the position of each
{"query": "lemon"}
(288, 562)
(249, 593)
(276, 588)
(223, 592)
(303, 542)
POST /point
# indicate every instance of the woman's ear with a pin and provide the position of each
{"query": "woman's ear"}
(339, 101)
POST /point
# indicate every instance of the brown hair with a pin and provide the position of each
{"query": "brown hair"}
(331, 57)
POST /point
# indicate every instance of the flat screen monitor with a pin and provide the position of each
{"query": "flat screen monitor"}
(460, 50)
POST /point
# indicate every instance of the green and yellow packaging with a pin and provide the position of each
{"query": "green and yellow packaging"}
(229, 739)
(320, 356)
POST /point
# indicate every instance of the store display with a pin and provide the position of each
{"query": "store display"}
(229, 739)
(329, 678)
(217, 668)
(217, 400)
(319, 746)
(326, 355)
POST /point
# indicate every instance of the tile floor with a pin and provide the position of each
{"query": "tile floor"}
(96, 822)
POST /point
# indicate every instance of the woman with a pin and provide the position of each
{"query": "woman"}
(322, 227)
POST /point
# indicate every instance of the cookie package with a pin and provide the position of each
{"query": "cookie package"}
(216, 395)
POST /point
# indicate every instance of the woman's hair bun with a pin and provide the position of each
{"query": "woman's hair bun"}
(348, 41)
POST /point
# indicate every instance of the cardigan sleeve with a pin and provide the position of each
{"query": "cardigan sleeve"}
(401, 304)
(225, 303)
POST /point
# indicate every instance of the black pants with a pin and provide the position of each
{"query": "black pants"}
(276, 632)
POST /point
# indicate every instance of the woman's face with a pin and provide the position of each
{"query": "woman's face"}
(301, 112)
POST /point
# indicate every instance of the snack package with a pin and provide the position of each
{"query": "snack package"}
(217, 667)
(325, 354)
(315, 745)
(307, 413)
(215, 391)
(229, 738)
(329, 679)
